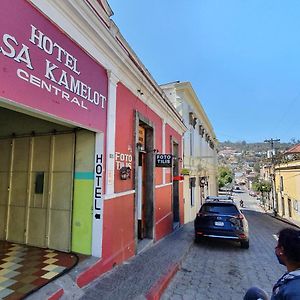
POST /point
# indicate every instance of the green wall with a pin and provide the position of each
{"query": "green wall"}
(83, 193)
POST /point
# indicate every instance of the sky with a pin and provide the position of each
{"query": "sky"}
(242, 58)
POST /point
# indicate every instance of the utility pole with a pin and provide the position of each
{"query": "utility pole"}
(274, 194)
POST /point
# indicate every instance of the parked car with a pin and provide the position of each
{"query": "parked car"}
(252, 193)
(218, 198)
(237, 189)
(221, 219)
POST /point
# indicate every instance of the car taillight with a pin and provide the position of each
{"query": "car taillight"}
(199, 214)
(240, 216)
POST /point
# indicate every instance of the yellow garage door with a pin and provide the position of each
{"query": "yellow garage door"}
(36, 185)
(5, 159)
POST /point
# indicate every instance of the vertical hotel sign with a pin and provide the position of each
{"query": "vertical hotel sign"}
(44, 70)
(98, 198)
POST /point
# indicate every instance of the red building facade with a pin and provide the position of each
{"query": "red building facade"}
(96, 94)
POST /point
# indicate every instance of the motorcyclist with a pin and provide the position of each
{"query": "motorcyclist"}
(241, 203)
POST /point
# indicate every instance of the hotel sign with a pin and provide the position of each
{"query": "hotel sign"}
(45, 70)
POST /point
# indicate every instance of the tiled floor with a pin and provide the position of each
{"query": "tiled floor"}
(24, 269)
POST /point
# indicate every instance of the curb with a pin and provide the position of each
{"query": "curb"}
(284, 220)
(280, 218)
(162, 283)
(57, 295)
(158, 288)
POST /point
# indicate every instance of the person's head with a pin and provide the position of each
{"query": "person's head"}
(255, 293)
(288, 247)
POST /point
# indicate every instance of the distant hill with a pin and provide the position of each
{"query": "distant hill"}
(242, 156)
(256, 147)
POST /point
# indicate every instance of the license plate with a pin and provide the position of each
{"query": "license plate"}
(219, 223)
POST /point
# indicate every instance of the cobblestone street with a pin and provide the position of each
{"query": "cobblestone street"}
(215, 269)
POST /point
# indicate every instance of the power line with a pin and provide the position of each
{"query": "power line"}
(271, 141)
(284, 115)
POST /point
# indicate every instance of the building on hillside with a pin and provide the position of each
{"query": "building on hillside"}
(81, 123)
(199, 148)
(251, 176)
(227, 152)
(267, 174)
(287, 179)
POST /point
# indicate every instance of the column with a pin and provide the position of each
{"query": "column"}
(111, 133)
(164, 147)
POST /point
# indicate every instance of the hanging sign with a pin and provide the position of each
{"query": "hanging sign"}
(163, 160)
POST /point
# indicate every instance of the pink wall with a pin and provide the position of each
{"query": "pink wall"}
(163, 211)
(118, 238)
(127, 104)
(118, 229)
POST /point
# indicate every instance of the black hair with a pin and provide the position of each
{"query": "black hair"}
(289, 239)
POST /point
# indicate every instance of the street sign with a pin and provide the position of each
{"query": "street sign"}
(163, 160)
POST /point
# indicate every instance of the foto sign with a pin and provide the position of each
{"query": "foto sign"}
(163, 160)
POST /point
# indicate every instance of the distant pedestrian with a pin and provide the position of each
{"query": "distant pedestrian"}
(241, 203)
(288, 254)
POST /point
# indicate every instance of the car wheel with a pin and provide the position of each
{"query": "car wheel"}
(198, 239)
(245, 244)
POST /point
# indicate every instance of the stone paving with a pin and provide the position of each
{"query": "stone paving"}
(210, 270)
(136, 277)
(216, 269)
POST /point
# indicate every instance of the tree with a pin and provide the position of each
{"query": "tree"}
(262, 186)
(294, 141)
(256, 167)
(225, 176)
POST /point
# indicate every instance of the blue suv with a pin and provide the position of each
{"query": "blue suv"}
(220, 218)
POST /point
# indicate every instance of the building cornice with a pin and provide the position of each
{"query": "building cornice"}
(292, 165)
(192, 99)
(88, 24)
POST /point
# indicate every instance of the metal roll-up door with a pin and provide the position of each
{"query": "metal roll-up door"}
(61, 192)
(5, 162)
(36, 190)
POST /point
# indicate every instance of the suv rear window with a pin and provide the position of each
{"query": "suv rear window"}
(219, 208)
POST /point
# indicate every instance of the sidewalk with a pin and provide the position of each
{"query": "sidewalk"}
(285, 219)
(145, 276)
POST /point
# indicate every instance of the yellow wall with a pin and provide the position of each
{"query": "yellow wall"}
(290, 172)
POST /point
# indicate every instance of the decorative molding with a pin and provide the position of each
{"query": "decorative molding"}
(163, 185)
(118, 195)
(108, 47)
